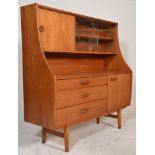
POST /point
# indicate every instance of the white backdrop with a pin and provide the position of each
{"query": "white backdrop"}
(121, 11)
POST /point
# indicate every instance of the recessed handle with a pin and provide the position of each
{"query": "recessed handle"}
(84, 82)
(84, 95)
(41, 28)
(83, 111)
(113, 79)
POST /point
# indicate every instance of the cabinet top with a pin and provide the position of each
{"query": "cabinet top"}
(70, 13)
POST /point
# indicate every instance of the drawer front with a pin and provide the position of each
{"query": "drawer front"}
(80, 112)
(80, 83)
(77, 96)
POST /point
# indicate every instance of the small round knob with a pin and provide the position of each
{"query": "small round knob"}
(41, 28)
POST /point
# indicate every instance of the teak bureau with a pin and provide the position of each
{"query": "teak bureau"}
(73, 69)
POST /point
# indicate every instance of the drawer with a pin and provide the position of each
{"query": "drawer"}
(80, 112)
(80, 82)
(77, 96)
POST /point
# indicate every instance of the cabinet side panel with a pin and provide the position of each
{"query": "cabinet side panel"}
(58, 33)
(117, 62)
(37, 79)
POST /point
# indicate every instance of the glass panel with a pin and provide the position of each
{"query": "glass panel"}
(94, 36)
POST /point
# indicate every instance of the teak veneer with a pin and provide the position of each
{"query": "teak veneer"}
(73, 70)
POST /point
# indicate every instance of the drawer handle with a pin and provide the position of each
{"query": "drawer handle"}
(113, 79)
(84, 82)
(84, 95)
(41, 28)
(83, 111)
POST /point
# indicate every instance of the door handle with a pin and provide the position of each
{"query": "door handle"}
(84, 95)
(41, 28)
(83, 111)
(84, 82)
(113, 79)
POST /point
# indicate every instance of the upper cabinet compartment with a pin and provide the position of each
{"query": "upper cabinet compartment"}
(56, 31)
(94, 35)
(61, 31)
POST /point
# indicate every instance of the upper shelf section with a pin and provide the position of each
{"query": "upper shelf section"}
(65, 32)
(94, 36)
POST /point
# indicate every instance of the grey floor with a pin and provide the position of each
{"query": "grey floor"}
(87, 138)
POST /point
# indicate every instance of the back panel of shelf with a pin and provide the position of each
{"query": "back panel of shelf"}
(71, 63)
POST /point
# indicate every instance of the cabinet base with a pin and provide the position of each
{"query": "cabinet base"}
(65, 135)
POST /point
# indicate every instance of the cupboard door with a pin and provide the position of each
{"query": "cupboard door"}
(119, 91)
(56, 31)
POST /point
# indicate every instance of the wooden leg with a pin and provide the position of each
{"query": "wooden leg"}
(119, 119)
(56, 133)
(43, 135)
(98, 120)
(66, 138)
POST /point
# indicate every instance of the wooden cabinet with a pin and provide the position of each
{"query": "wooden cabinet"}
(73, 69)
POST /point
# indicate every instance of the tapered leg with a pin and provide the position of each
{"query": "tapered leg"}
(66, 138)
(43, 135)
(119, 119)
(98, 120)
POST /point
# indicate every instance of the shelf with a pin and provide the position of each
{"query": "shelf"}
(94, 37)
(86, 28)
(82, 75)
(82, 52)
(102, 53)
